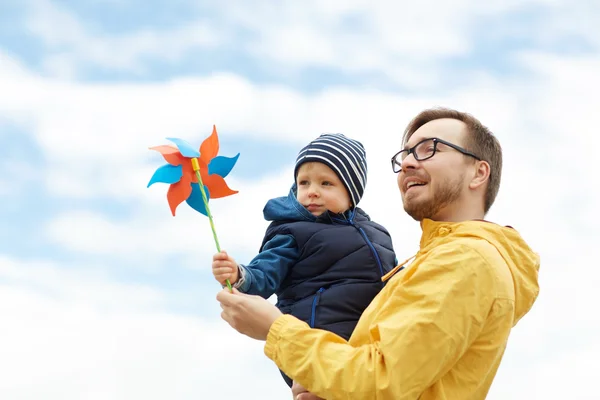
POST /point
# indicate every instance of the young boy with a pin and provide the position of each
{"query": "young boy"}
(321, 255)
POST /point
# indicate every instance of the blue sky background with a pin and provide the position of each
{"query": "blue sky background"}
(99, 282)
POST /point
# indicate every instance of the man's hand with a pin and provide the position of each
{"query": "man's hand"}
(224, 267)
(299, 393)
(247, 314)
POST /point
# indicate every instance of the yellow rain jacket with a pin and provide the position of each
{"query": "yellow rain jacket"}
(437, 330)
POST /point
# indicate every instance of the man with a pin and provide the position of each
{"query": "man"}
(439, 328)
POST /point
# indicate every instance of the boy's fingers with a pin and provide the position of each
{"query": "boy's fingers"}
(222, 271)
(221, 264)
(221, 256)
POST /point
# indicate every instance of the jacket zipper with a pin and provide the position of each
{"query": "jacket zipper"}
(313, 313)
(375, 254)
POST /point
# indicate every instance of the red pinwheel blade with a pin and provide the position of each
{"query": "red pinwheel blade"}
(178, 193)
(218, 187)
(210, 147)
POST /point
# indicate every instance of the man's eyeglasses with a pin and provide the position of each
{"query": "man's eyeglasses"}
(424, 150)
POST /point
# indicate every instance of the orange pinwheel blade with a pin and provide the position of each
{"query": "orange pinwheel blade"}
(210, 147)
(188, 172)
(218, 187)
(178, 193)
(171, 154)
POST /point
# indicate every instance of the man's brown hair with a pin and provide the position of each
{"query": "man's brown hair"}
(480, 141)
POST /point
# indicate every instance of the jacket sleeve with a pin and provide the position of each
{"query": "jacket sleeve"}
(264, 274)
(421, 328)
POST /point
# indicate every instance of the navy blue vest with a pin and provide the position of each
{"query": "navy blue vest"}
(339, 269)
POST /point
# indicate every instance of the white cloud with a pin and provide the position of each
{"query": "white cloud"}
(59, 333)
(363, 35)
(574, 28)
(358, 34)
(77, 42)
(84, 287)
(548, 373)
(405, 42)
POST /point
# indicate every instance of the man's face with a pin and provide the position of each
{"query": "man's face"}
(433, 188)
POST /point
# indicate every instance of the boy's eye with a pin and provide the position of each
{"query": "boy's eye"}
(302, 183)
(327, 183)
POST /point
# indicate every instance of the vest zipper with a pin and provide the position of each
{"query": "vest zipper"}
(375, 254)
(313, 313)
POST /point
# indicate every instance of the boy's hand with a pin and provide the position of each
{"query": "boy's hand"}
(224, 267)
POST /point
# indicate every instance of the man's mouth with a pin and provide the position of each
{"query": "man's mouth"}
(412, 184)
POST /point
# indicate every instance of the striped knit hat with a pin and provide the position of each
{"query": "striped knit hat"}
(347, 157)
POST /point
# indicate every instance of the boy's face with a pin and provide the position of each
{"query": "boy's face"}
(320, 189)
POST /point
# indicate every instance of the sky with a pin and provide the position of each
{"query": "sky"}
(105, 295)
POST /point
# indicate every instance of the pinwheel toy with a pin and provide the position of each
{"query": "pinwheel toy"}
(195, 176)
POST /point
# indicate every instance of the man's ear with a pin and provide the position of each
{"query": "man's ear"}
(482, 174)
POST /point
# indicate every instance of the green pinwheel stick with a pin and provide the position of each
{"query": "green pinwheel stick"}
(196, 167)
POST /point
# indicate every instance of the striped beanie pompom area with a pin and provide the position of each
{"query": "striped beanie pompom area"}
(345, 156)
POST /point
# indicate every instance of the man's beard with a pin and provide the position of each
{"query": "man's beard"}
(445, 193)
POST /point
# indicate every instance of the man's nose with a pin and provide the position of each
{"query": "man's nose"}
(410, 162)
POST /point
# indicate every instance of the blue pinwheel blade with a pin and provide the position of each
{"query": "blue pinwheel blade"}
(222, 166)
(196, 201)
(166, 174)
(186, 149)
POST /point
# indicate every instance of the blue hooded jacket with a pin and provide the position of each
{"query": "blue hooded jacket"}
(324, 270)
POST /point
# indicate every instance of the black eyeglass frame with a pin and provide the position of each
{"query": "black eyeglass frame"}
(435, 143)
